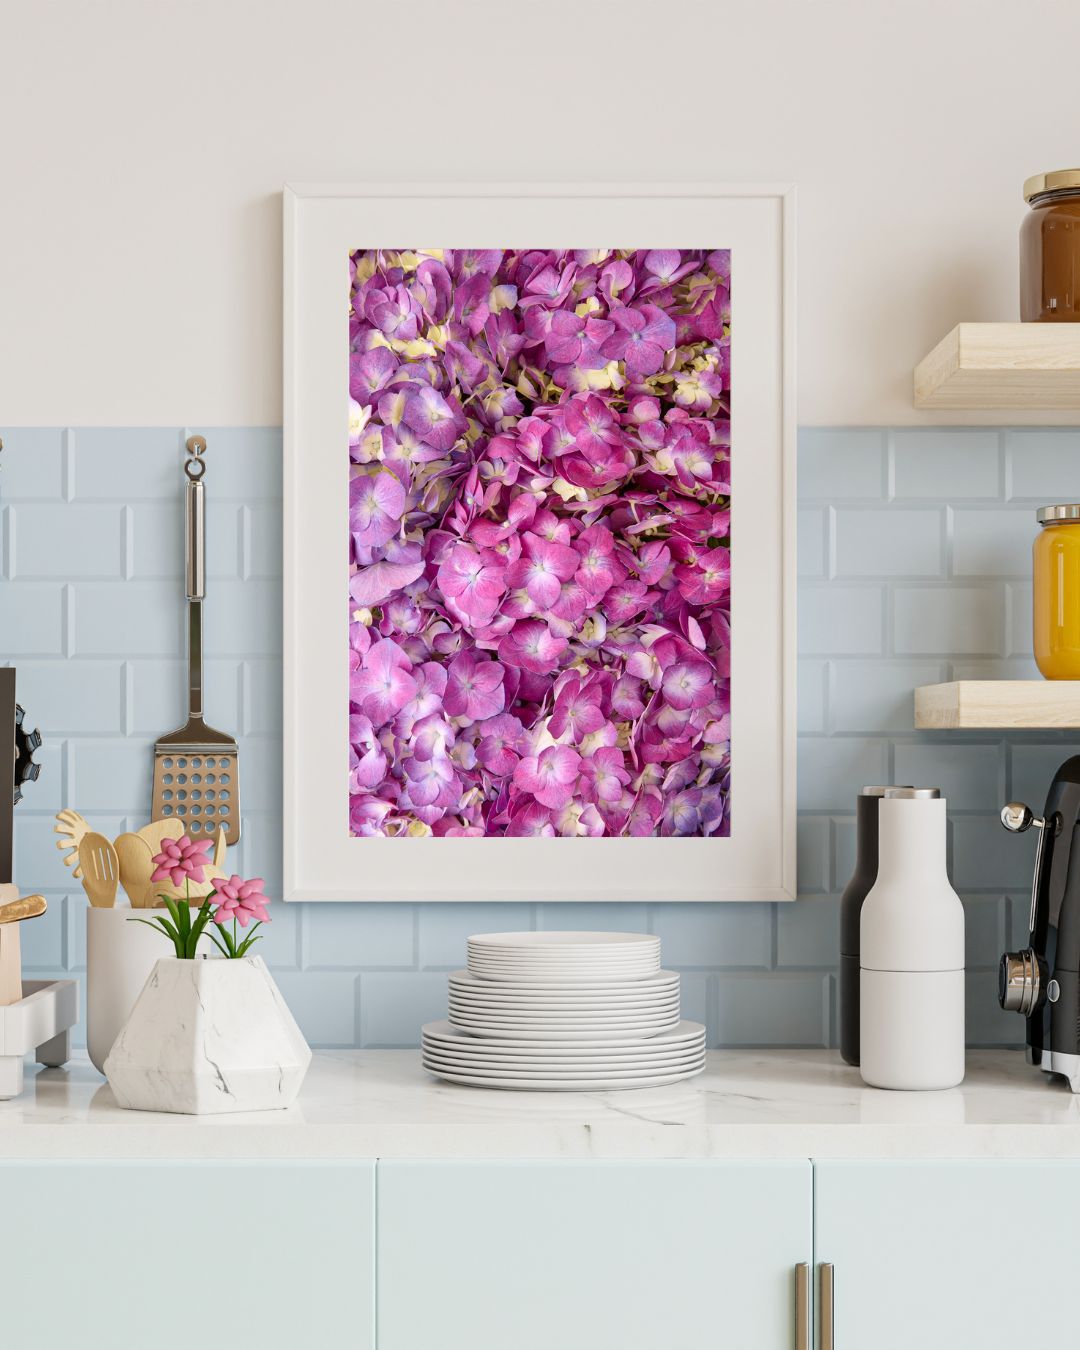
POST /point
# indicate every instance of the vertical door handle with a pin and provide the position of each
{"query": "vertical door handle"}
(825, 1301)
(802, 1306)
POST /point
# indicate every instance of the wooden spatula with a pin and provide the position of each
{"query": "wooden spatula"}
(100, 869)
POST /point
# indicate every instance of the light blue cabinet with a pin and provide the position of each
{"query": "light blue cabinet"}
(590, 1255)
(950, 1255)
(187, 1255)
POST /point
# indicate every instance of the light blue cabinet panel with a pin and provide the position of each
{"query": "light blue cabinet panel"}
(586, 1256)
(950, 1255)
(187, 1256)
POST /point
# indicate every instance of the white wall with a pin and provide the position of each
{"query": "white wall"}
(143, 145)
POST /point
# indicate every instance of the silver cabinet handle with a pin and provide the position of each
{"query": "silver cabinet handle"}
(825, 1292)
(802, 1306)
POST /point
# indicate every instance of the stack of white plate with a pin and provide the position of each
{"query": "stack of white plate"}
(568, 958)
(538, 1010)
(564, 1012)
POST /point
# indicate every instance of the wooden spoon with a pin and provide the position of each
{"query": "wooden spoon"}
(100, 869)
(136, 863)
(158, 830)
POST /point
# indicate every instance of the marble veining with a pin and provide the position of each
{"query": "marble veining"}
(751, 1104)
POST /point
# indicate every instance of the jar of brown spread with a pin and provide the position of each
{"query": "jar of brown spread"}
(1050, 249)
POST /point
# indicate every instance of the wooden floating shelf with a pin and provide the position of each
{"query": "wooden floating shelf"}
(978, 704)
(1002, 365)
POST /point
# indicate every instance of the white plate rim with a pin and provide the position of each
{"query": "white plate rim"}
(564, 1085)
(530, 1068)
(433, 1031)
(541, 938)
(482, 1050)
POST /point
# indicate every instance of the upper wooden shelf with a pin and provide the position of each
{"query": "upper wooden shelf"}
(1002, 365)
(974, 704)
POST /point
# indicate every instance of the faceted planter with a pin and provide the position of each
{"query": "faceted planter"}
(208, 1036)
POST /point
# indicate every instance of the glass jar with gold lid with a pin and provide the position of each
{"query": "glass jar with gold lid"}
(1050, 249)
(1056, 577)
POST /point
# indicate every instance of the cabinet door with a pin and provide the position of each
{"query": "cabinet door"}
(174, 1256)
(582, 1256)
(948, 1255)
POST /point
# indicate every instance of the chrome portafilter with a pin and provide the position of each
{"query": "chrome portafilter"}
(1020, 976)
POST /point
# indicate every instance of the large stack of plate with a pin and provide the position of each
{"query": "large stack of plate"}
(564, 1012)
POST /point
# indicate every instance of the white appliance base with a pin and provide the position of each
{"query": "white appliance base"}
(40, 1021)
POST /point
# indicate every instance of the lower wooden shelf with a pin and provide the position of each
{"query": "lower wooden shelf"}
(974, 704)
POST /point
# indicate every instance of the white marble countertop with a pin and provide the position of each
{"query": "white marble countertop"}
(748, 1104)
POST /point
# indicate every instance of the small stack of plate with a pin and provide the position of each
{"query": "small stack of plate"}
(581, 1012)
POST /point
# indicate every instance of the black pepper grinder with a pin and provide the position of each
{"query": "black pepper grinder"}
(851, 903)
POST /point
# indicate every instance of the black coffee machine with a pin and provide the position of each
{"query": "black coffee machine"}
(1042, 982)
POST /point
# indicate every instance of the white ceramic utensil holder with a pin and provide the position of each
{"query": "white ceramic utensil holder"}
(912, 954)
(208, 1036)
(120, 954)
(40, 1021)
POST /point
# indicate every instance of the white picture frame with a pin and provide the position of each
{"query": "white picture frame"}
(322, 225)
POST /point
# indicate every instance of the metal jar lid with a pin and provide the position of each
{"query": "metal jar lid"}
(879, 791)
(913, 794)
(1051, 515)
(1058, 180)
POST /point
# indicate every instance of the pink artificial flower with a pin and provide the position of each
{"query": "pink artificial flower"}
(241, 900)
(182, 860)
(643, 339)
(549, 776)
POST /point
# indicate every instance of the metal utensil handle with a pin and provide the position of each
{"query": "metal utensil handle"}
(802, 1306)
(195, 569)
(826, 1290)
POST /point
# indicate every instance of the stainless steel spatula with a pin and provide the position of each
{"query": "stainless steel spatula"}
(197, 769)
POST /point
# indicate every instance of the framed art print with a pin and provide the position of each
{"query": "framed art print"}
(539, 543)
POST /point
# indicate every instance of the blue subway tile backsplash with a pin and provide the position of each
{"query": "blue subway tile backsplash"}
(913, 567)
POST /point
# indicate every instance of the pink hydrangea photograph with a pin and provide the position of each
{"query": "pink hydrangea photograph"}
(540, 542)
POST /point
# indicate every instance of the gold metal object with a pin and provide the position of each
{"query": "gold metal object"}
(1058, 180)
(28, 907)
(826, 1306)
(802, 1306)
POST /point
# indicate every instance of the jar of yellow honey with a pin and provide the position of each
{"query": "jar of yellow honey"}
(1056, 574)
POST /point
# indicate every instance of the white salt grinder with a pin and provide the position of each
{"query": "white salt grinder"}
(911, 973)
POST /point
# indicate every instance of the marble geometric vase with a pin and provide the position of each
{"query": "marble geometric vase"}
(208, 1036)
